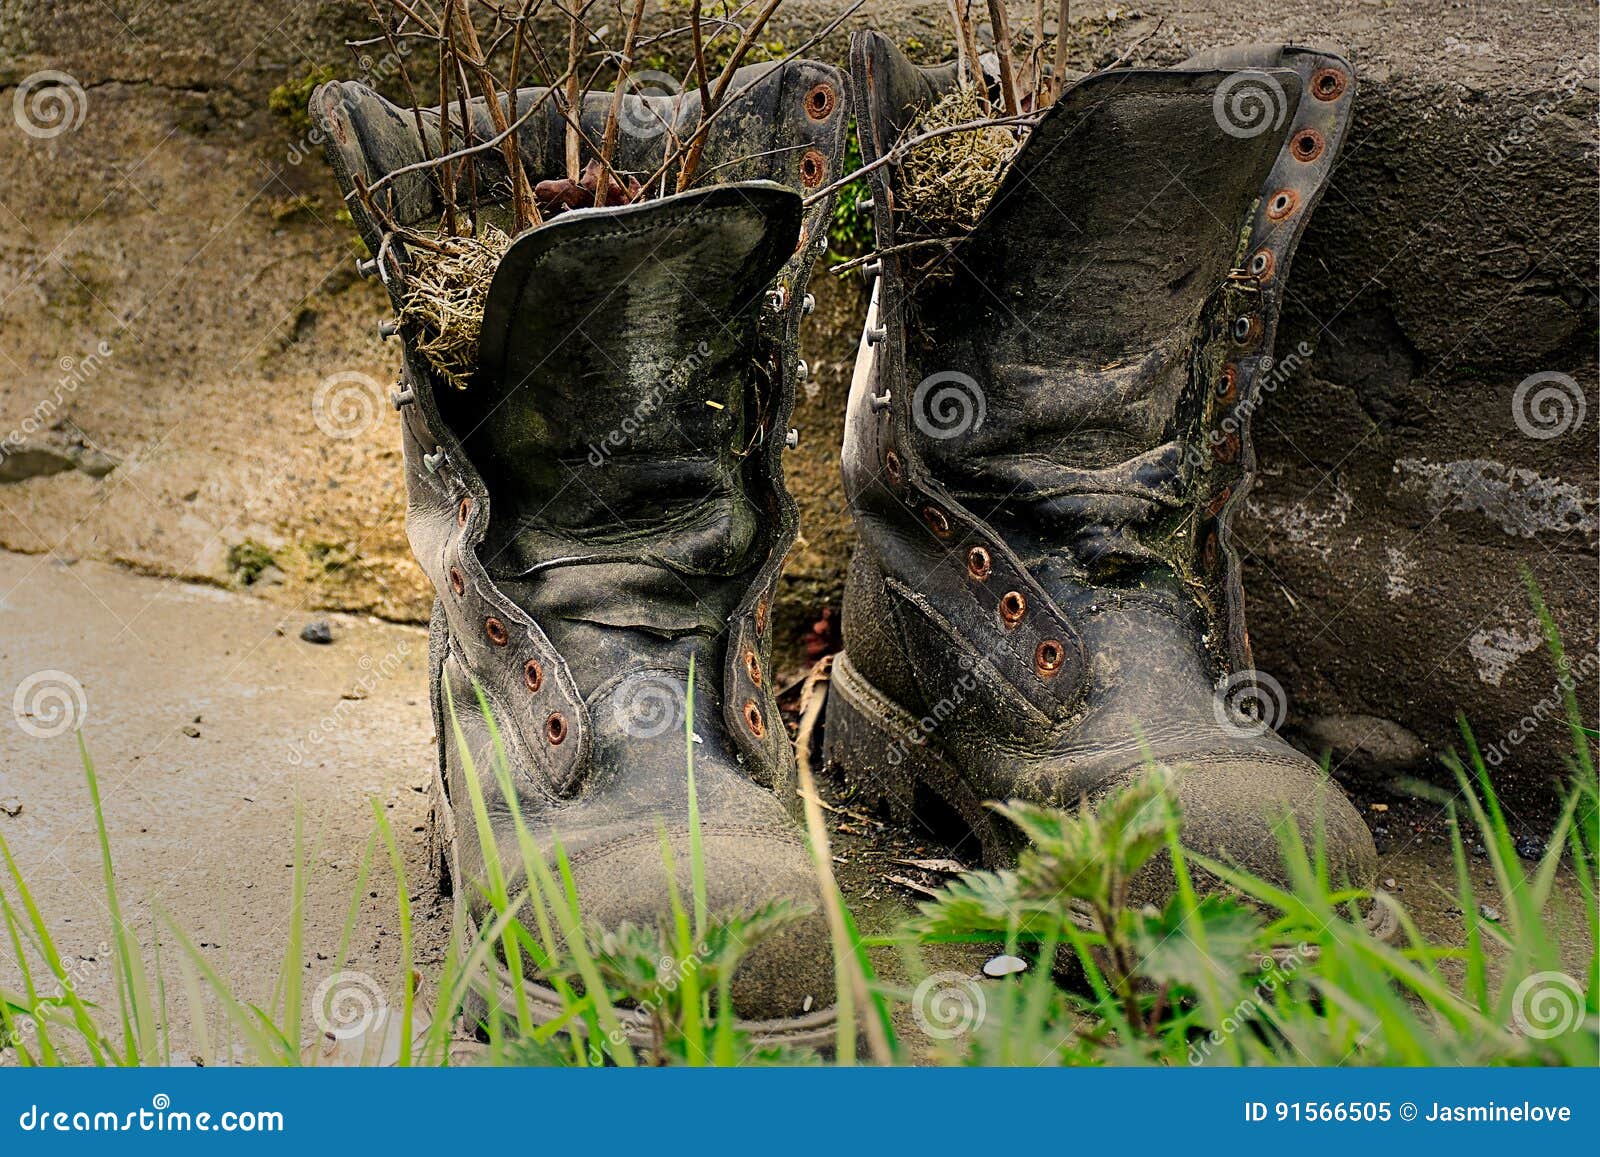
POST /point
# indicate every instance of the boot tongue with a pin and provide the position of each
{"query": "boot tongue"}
(616, 398)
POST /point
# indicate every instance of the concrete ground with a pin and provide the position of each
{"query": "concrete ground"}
(211, 722)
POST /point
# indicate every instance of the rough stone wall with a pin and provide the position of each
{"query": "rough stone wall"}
(190, 364)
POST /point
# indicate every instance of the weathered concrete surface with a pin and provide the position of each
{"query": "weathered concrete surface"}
(210, 724)
(1454, 257)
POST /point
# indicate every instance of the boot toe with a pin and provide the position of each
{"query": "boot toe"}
(788, 973)
(1235, 806)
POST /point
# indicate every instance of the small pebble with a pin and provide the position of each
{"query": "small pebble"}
(1489, 912)
(191, 731)
(1530, 848)
(317, 631)
(11, 805)
(1004, 965)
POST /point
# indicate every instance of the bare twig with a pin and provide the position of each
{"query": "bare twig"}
(967, 44)
(608, 143)
(890, 250)
(697, 142)
(481, 146)
(697, 34)
(1000, 24)
(574, 94)
(1058, 80)
(705, 121)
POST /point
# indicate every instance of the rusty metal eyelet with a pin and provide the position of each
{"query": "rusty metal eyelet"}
(1246, 329)
(1328, 84)
(979, 563)
(555, 729)
(813, 167)
(496, 630)
(457, 583)
(1227, 383)
(752, 667)
(891, 466)
(1218, 501)
(1227, 449)
(820, 101)
(533, 675)
(753, 720)
(1208, 552)
(1282, 204)
(1263, 264)
(936, 520)
(1012, 607)
(1048, 657)
(1306, 145)
(463, 509)
(761, 613)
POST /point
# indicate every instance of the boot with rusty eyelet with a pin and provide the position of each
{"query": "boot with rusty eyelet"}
(1047, 438)
(604, 501)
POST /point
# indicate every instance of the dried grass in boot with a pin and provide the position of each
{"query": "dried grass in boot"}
(946, 183)
(444, 299)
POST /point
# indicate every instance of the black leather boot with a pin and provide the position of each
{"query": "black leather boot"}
(605, 500)
(1048, 436)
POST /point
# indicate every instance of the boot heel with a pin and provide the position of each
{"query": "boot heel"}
(885, 755)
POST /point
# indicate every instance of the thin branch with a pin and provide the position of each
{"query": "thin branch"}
(574, 95)
(706, 121)
(697, 143)
(608, 142)
(967, 42)
(524, 212)
(1000, 24)
(1058, 80)
(481, 146)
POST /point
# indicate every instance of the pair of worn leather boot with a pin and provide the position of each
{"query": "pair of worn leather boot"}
(1047, 436)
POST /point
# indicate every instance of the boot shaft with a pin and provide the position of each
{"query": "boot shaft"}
(607, 492)
(1068, 387)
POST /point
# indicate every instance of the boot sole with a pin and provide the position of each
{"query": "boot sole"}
(810, 1030)
(885, 754)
